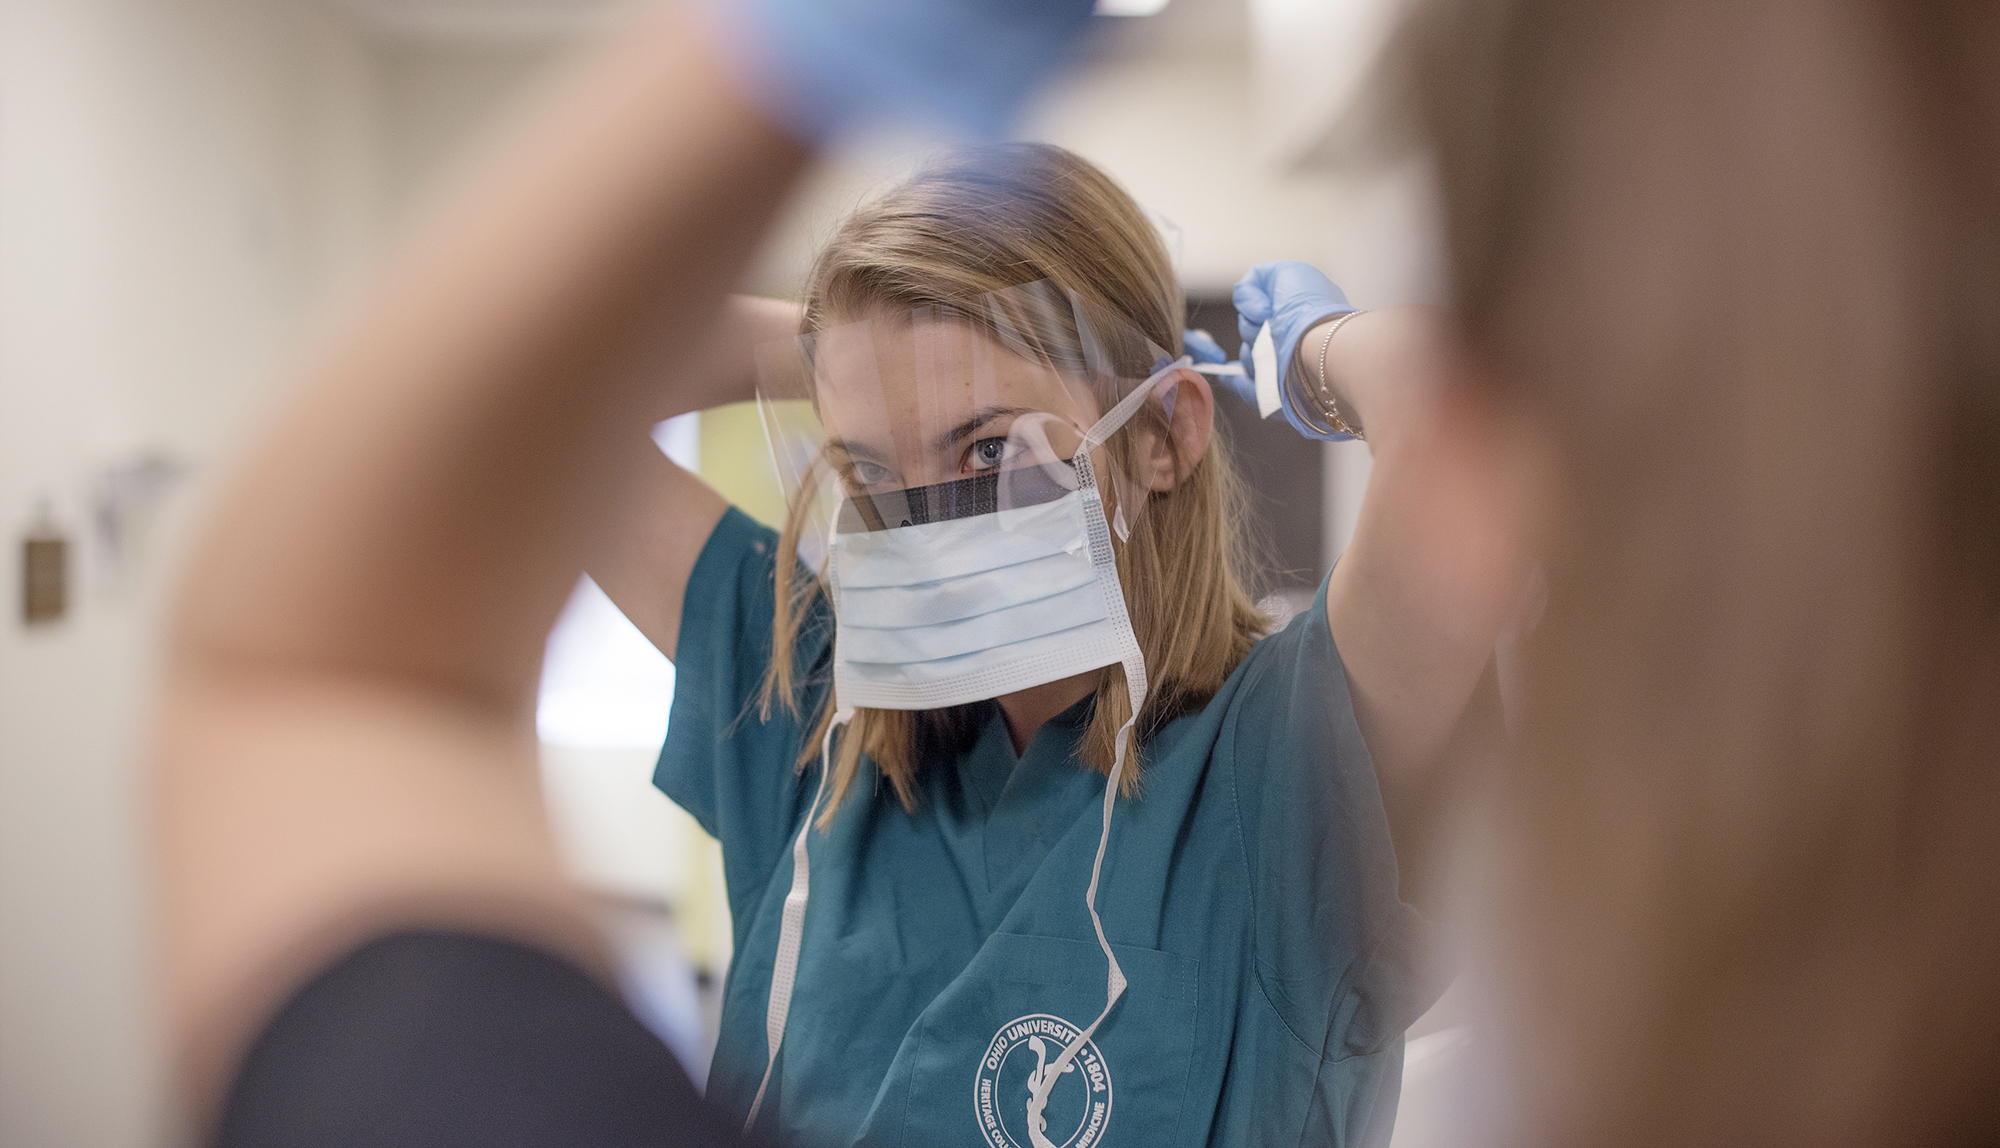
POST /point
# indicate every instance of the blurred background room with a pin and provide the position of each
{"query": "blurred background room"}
(188, 188)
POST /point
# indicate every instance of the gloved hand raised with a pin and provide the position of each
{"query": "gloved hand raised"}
(824, 66)
(1203, 349)
(1293, 297)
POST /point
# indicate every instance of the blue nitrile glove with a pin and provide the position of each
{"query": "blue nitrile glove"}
(1294, 298)
(1202, 348)
(821, 67)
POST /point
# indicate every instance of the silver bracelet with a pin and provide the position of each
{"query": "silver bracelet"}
(1326, 399)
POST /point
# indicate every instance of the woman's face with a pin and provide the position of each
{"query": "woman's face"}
(917, 402)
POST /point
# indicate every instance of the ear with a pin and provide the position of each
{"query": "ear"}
(1190, 405)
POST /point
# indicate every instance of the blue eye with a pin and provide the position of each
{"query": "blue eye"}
(987, 453)
(866, 474)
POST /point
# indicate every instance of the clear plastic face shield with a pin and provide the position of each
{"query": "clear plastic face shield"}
(968, 467)
(956, 464)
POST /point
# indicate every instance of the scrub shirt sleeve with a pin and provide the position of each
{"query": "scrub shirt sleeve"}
(733, 770)
(1339, 956)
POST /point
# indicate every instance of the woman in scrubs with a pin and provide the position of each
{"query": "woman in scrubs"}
(944, 963)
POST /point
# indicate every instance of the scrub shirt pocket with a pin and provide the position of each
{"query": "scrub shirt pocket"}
(981, 1045)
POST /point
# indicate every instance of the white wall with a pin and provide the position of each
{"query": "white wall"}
(1176, 119)
(440, 98)
(177, 179)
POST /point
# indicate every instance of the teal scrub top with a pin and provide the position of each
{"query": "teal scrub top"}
(1249, 892)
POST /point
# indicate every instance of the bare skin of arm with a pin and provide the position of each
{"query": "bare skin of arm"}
(1414, 633)
(643, 560)
(347, 740)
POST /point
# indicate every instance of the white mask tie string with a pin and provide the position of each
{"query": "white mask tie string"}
(1263, 372)
(1134, 663)
(791, 928)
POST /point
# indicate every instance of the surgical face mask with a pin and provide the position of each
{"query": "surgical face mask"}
(979, 587)
(994, 574)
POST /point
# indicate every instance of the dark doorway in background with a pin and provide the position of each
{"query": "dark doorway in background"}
(1281, 471)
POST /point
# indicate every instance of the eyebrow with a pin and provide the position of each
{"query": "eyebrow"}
(853, 450)
(979, 418)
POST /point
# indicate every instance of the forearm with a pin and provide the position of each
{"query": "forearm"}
(1415, 647)
(1380, 369)
(422, 512)
(724, 370)
(347, 738)
(643, 559)
(662, 516)
(1413, 639)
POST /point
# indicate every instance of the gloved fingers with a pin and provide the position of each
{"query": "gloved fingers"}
(1292, 297)
(1252, 298)
(1202, 347)
(1300, 297)
(1246, 331)
(1291, 282)
(824, 67)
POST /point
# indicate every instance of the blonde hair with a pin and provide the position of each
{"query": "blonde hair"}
(983, 220)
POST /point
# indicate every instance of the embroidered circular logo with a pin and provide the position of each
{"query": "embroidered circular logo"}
(1022, 1098)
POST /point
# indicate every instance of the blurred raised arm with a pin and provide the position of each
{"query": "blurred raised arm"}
(347, 739)
(1419, 599)
(643, 556)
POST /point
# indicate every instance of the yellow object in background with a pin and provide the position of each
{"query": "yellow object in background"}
(705, 928)
(736, 461)
(734, 458)
(736, 446)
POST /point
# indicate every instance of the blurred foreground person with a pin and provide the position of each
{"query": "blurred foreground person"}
(1728, 276)
(368, 938)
